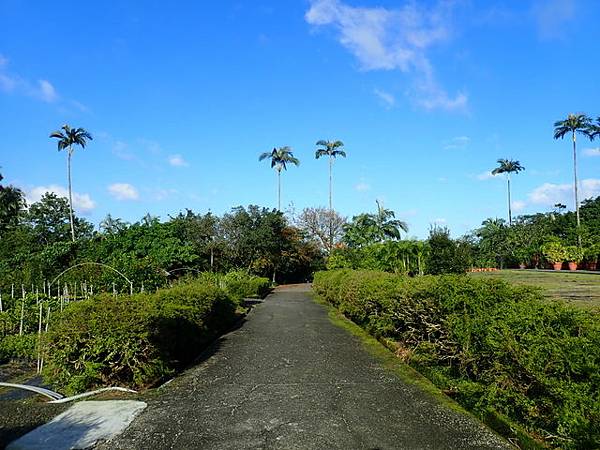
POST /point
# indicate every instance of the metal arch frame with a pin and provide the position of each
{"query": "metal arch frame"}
(95, 264)
(169, 272)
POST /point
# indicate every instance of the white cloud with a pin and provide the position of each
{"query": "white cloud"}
(440, 221)
(457, 143)
(591, 151)
(362, 187)
(518, 205)
(123, 191)
(82, 203)
(388, 99)
(46, 91)
(393, 39)
(488, 175)
(11, 83)
(549, 194)
(177, 161)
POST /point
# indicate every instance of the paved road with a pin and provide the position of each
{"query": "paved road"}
(289, 378)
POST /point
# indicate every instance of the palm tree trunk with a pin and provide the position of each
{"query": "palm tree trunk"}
(279, 190)
(575, 187)
(330, 203)
(509, 209)
(70, 194)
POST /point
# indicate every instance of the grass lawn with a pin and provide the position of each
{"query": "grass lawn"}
(581, 289)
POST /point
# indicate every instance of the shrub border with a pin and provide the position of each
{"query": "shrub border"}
(384, 350)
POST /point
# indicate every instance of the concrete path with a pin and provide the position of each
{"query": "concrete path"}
(289, 378)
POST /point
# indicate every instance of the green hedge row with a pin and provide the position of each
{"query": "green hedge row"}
(239, 284)
(134, 341)
(496, 347)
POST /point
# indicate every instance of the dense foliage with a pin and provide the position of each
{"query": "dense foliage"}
(36, 246)
(140, 339)
(493, 346)
(495, 244)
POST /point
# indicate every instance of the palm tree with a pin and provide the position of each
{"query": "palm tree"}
(66, 140)
(574, 123)
(508, 166)
(387, 225)
(333, 150)
(280, 158)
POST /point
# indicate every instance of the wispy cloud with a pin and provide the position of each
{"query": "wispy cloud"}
(46, 91)
(518, 205)
(11, 83)
(177, 161)
(81, 202)
(161, 194)
(591, 151)
(457, 143)
(393, 39)
(552, 16)
(122, 151)
(362, 186)
(123, 191)
(549, 194)
(388, 99)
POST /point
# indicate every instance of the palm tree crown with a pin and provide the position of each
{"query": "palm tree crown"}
(331, 149)
(574, 123)
(71, 136)
(280, 157)
(508, 166)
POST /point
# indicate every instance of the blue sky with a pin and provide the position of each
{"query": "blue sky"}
(181, 101)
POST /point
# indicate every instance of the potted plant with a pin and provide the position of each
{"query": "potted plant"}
(523, 256)
(574, 256)
(555, 253)
(591, 256)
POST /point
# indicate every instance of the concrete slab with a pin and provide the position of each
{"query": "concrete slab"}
(82, 426)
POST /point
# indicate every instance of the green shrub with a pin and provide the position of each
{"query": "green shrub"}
(134, 341)
(18, 347)
(240, 284)
(497, 346)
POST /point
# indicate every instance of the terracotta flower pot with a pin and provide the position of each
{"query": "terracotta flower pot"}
(557, 266)
(572, 265)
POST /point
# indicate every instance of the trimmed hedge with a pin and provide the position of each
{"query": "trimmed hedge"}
(240, 284)
(134, 341)
(496, 348)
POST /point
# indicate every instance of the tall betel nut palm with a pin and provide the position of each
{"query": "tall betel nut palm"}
(280, 158)
(508, 166)
(573, 124)
(332, 149)
(67, 138)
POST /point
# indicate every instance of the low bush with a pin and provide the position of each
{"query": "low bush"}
(495, 346)
(18, 347)
(134, 341)
(240, 284)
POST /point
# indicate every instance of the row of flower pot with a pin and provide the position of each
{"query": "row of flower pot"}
(557, 254)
